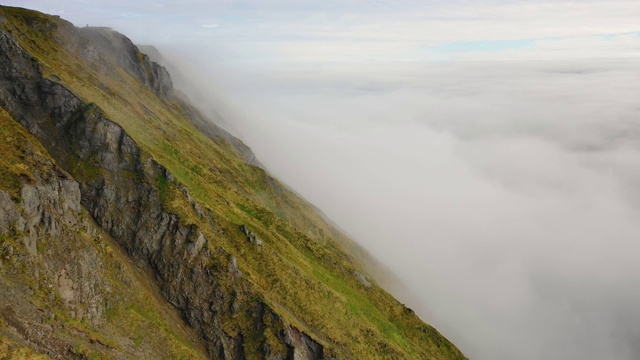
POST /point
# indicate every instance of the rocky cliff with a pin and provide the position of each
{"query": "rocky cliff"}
(134, 201)
(63, 279)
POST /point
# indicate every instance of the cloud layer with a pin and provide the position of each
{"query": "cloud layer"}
(504, 194)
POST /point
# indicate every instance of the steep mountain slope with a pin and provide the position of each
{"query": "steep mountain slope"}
(254, 270)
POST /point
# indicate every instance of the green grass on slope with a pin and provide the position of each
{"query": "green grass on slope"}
(302, 270)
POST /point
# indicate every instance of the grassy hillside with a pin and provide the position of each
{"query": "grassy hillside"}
(302, 270)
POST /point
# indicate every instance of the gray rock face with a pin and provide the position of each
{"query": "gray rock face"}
(118, 189)
(233, 266)
(304, 346)
(9, 215)
(48, 221)
(251, 237)
(362, 279)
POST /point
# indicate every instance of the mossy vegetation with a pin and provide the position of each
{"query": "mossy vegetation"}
(302, 271)
(23, 158)
(9, 350)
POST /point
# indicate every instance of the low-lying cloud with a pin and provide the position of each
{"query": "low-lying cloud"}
(504, 194)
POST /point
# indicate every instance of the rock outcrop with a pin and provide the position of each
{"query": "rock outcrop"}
(48, 212)
(68, 271)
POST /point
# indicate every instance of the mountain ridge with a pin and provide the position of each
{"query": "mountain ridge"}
(167, 185)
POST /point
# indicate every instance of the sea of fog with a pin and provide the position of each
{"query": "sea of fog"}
(505, 195)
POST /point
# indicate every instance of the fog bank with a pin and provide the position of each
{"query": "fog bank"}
(504, 194)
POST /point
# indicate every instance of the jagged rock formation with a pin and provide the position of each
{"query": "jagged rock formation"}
(176, 217)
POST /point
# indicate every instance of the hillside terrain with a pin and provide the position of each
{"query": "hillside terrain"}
(132, 227)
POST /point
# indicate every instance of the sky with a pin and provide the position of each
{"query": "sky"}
(368, 30)
(488, 152)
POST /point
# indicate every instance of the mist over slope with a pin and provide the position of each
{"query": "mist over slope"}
(504, 194)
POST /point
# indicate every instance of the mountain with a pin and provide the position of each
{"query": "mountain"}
(132, 227)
